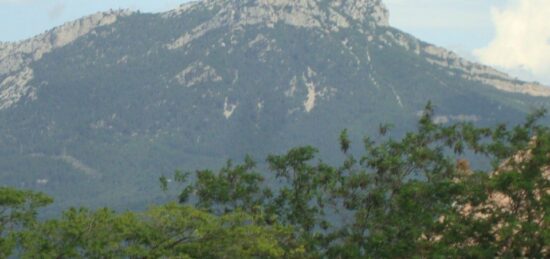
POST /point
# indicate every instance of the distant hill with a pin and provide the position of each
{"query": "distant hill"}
(94, 111)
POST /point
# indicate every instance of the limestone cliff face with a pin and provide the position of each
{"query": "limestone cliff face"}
(326, 16)
(331, 16)
(363, 10)
(448, 60)
(15, 55)
(302, 13)
(15, 58)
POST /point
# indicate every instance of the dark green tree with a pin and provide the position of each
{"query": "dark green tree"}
(414, 196)
(18, 210)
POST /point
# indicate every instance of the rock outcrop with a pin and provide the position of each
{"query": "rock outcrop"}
(324, 15)
(328, 15)
(468, 70)
(15, 58)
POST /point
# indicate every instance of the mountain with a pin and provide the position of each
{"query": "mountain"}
(94, 111)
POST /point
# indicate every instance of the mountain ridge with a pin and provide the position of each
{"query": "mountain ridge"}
(95, 119)
(15, 57)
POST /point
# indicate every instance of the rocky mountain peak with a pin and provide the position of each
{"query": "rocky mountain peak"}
(16, 58)
(363, 9)
(34, 48)
(303, 13)
(359, 10)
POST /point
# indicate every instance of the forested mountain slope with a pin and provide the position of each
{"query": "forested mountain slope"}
(94, 111)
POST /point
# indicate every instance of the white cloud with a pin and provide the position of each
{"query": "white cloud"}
(522, 40)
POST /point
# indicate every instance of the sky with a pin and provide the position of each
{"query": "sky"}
(512, 35)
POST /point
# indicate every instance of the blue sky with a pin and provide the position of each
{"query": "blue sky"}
(476, 29)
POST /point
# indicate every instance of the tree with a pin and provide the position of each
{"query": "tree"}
(169, 231)
(18, 210)
(233, 187)
(407, 196)
(415, 196)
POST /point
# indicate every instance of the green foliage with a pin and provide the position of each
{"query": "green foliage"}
(299, 201)
(416, 196)
(173, 230)
(18, 209)
(412, 196)
(169, 231)
(81, 233)
(232, 188)
(344, 141)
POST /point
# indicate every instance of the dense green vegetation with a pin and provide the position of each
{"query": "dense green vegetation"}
(416, 196)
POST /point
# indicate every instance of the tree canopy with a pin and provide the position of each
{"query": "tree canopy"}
(445, 190)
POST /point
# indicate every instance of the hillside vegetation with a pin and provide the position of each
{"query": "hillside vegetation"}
(94, 111)
(416, 196)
